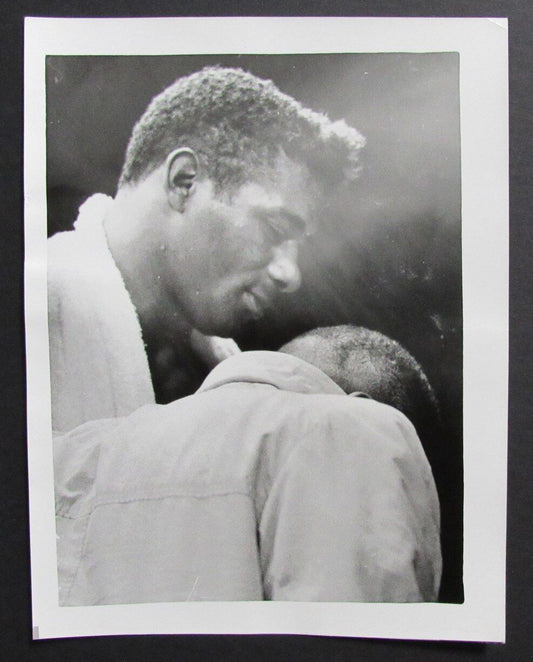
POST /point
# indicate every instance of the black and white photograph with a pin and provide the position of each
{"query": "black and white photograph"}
(258, 312)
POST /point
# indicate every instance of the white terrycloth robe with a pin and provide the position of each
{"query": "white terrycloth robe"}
(99, 368)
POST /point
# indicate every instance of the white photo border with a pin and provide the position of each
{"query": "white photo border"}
(482, 47)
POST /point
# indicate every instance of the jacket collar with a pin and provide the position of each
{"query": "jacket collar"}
(283, 371)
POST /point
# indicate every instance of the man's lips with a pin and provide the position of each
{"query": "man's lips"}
(253, 304)
(256, 302)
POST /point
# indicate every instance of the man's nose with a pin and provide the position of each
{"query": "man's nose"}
(283, 267)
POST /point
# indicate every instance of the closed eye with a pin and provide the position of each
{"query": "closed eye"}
(275, 234)
(281, 225)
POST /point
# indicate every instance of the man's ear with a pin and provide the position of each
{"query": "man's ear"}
(182, 171)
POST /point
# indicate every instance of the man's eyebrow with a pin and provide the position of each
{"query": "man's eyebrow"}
(292, 222)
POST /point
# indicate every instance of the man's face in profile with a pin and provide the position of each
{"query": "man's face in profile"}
(232, 254)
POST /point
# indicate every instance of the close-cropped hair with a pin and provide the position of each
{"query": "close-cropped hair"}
(238, 124)
(362, 360)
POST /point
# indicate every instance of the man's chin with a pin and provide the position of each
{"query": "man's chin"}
(223, 327)
(229, 321)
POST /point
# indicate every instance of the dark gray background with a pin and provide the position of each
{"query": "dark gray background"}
(16, 617)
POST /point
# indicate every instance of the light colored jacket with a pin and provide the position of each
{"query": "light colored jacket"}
(268, 483)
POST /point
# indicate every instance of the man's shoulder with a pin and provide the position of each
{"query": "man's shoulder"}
(312, 418)
(325, 409)
(86, 240)
(69, 272)
(61, 240)
(304, 427)
(65, 252)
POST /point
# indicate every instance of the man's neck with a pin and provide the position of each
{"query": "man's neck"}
(131, 228)
(165, 330)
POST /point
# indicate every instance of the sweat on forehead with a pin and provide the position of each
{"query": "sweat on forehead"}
(238, 123)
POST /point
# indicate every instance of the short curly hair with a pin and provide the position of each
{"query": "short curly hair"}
(360, 359)
(237, 123)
